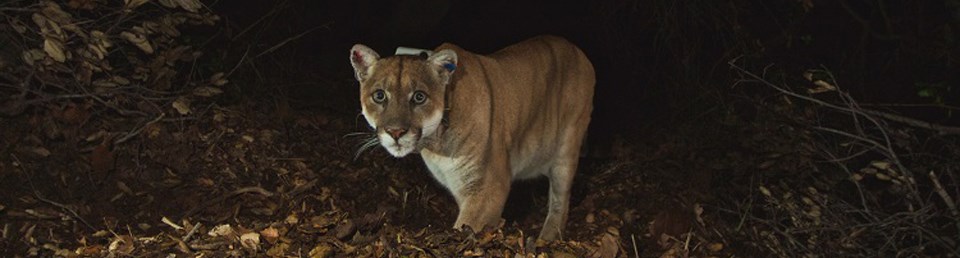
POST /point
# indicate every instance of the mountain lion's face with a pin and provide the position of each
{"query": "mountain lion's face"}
(402, 97)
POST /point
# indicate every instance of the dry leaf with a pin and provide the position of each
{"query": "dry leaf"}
(41, 151)
(101, 39)
(138, 40)
(89, 251)
(765, 191)
(182, 105)
(221, 230)
(883, 165)
(715, 247)
(190, 5)
(55, 13)
(609, 246)
(168, 26)
(207, 91)
(217, 76)
(292, 219)
(271, 234)
(322, 250)
(104, 83)
(54, 49)
(218, 79)
(120, 80)
(32, 56)
(278, 250)
(98, 51)
(883, 177)
(822, 86)
(122, 245)
(205, 182)
(133, 4)
(250, 240)
(18, 25)
(168, 3)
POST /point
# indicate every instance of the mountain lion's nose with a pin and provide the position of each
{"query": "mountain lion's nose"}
(396, 133)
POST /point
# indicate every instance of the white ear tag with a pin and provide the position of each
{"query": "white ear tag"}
(412, 51)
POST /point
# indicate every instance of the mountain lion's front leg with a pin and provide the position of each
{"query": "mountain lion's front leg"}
(481, 203)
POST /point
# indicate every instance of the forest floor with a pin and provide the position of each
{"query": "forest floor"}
(237, 181)
(291, 187)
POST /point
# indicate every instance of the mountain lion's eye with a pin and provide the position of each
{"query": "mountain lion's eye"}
(419, 97)
(379, 96)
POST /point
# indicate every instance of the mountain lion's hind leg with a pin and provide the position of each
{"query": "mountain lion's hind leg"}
(561, 179)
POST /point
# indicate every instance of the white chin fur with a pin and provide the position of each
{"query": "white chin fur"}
(398, 148)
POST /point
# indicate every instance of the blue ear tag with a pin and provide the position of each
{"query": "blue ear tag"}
(450, 67)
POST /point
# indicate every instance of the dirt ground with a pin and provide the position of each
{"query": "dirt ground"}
(237, 181)
(295, 182)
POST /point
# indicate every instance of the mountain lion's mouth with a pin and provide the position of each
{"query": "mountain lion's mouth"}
(399, 147)
(398, 150)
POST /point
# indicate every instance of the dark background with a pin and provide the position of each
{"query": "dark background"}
(657, 62)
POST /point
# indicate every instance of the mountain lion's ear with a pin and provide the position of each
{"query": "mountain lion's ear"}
(446, 60)
(362, 58)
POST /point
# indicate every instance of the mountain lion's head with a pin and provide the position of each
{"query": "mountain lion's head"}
(402, 96)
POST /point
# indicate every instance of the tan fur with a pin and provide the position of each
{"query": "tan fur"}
(518, 113)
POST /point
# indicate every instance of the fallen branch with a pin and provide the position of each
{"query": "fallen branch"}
(886, 147)
(943, 129)
(896, 118)
(951, 205)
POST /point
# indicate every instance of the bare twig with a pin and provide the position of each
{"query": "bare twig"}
(193, 230)
(242, 58)
(137, 131)
(261, 19)
(909, 105)
(915, 122)
(886, 146)
(36, 193)
(288, 40)
(951, 205)
(915, 218)
(863, 198)
(73, 213)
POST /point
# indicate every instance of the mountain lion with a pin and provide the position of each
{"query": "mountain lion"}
(481, 121)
